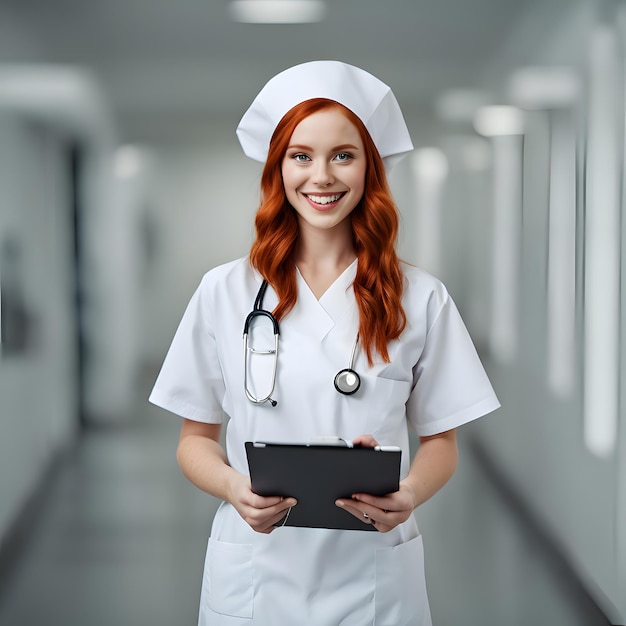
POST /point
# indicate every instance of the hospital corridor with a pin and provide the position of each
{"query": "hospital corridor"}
(119, 536)
(123, 182)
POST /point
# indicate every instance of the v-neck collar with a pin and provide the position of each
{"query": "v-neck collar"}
(318, 317)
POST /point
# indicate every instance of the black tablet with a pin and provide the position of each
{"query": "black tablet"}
(316, 475)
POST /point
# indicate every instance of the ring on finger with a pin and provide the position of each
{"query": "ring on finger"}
(366, 516)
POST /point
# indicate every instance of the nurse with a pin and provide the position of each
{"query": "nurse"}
(326, 232)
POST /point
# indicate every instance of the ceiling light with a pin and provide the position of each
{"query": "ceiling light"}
(129, 161)
(544, 87)
(277, 11)
(430, 164)
(492, 121)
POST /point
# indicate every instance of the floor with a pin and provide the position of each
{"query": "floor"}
(119, 538)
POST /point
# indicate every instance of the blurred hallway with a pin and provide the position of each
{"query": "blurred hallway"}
(120, 534)
(120, 539)
(123, 182)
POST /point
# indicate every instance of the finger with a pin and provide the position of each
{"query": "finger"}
(381, 527)
(382, 503)
(264, 519)
(359, 513)
(263, 502)
(281, 518)
(381, 519)
(276, 514)
(389, 503)
(269, 525)
(366, 441)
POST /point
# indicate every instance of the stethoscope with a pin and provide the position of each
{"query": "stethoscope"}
(347, 381)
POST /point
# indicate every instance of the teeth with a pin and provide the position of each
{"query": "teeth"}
(324, 199)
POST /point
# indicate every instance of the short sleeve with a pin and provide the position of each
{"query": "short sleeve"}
(451, 386)
(190, 382)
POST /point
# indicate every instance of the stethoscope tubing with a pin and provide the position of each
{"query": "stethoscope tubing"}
(247, 350)
(346, 382)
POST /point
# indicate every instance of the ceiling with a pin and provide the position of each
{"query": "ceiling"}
(177, 62)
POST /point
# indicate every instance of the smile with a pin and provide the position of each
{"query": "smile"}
(324, 199)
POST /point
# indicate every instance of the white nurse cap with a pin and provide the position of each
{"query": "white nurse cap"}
(365, 95)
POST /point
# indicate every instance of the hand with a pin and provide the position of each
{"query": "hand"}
(261, 513)
(383, 512)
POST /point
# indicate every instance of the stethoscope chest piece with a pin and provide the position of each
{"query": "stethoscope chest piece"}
(347, 381)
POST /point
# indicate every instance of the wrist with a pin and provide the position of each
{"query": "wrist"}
(408, 488)
(231, 481)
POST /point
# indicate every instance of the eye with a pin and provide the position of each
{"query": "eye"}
(300, 158)
(343, 157)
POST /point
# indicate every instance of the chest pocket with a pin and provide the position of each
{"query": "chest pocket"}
(380, 406)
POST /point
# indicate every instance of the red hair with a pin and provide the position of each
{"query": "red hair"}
(378, 284)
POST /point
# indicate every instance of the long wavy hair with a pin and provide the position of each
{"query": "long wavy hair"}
(378, 284)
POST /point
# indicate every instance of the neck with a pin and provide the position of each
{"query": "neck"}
(333, 247)
(322, 256)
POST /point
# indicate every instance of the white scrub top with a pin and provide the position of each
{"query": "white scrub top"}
(434, 382)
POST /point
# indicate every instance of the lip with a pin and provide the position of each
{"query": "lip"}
(328, 206)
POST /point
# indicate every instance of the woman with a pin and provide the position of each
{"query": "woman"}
(326, 233)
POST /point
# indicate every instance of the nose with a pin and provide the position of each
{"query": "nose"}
(322, 176)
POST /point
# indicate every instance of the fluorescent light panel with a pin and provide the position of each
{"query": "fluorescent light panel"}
(602, 248)
(498, 120)
(544, 87)
(277, 11)
(507, 224)
(430, 169)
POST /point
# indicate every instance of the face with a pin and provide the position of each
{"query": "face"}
(324, 169)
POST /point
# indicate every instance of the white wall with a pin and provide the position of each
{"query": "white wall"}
(201, 199)
(43, 110)
(17, 42)
(537, 439)
(38, 382)
(37, 385)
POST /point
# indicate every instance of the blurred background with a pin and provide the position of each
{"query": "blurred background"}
(122, 182)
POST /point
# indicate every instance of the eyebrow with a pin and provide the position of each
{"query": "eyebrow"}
(345, 146)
